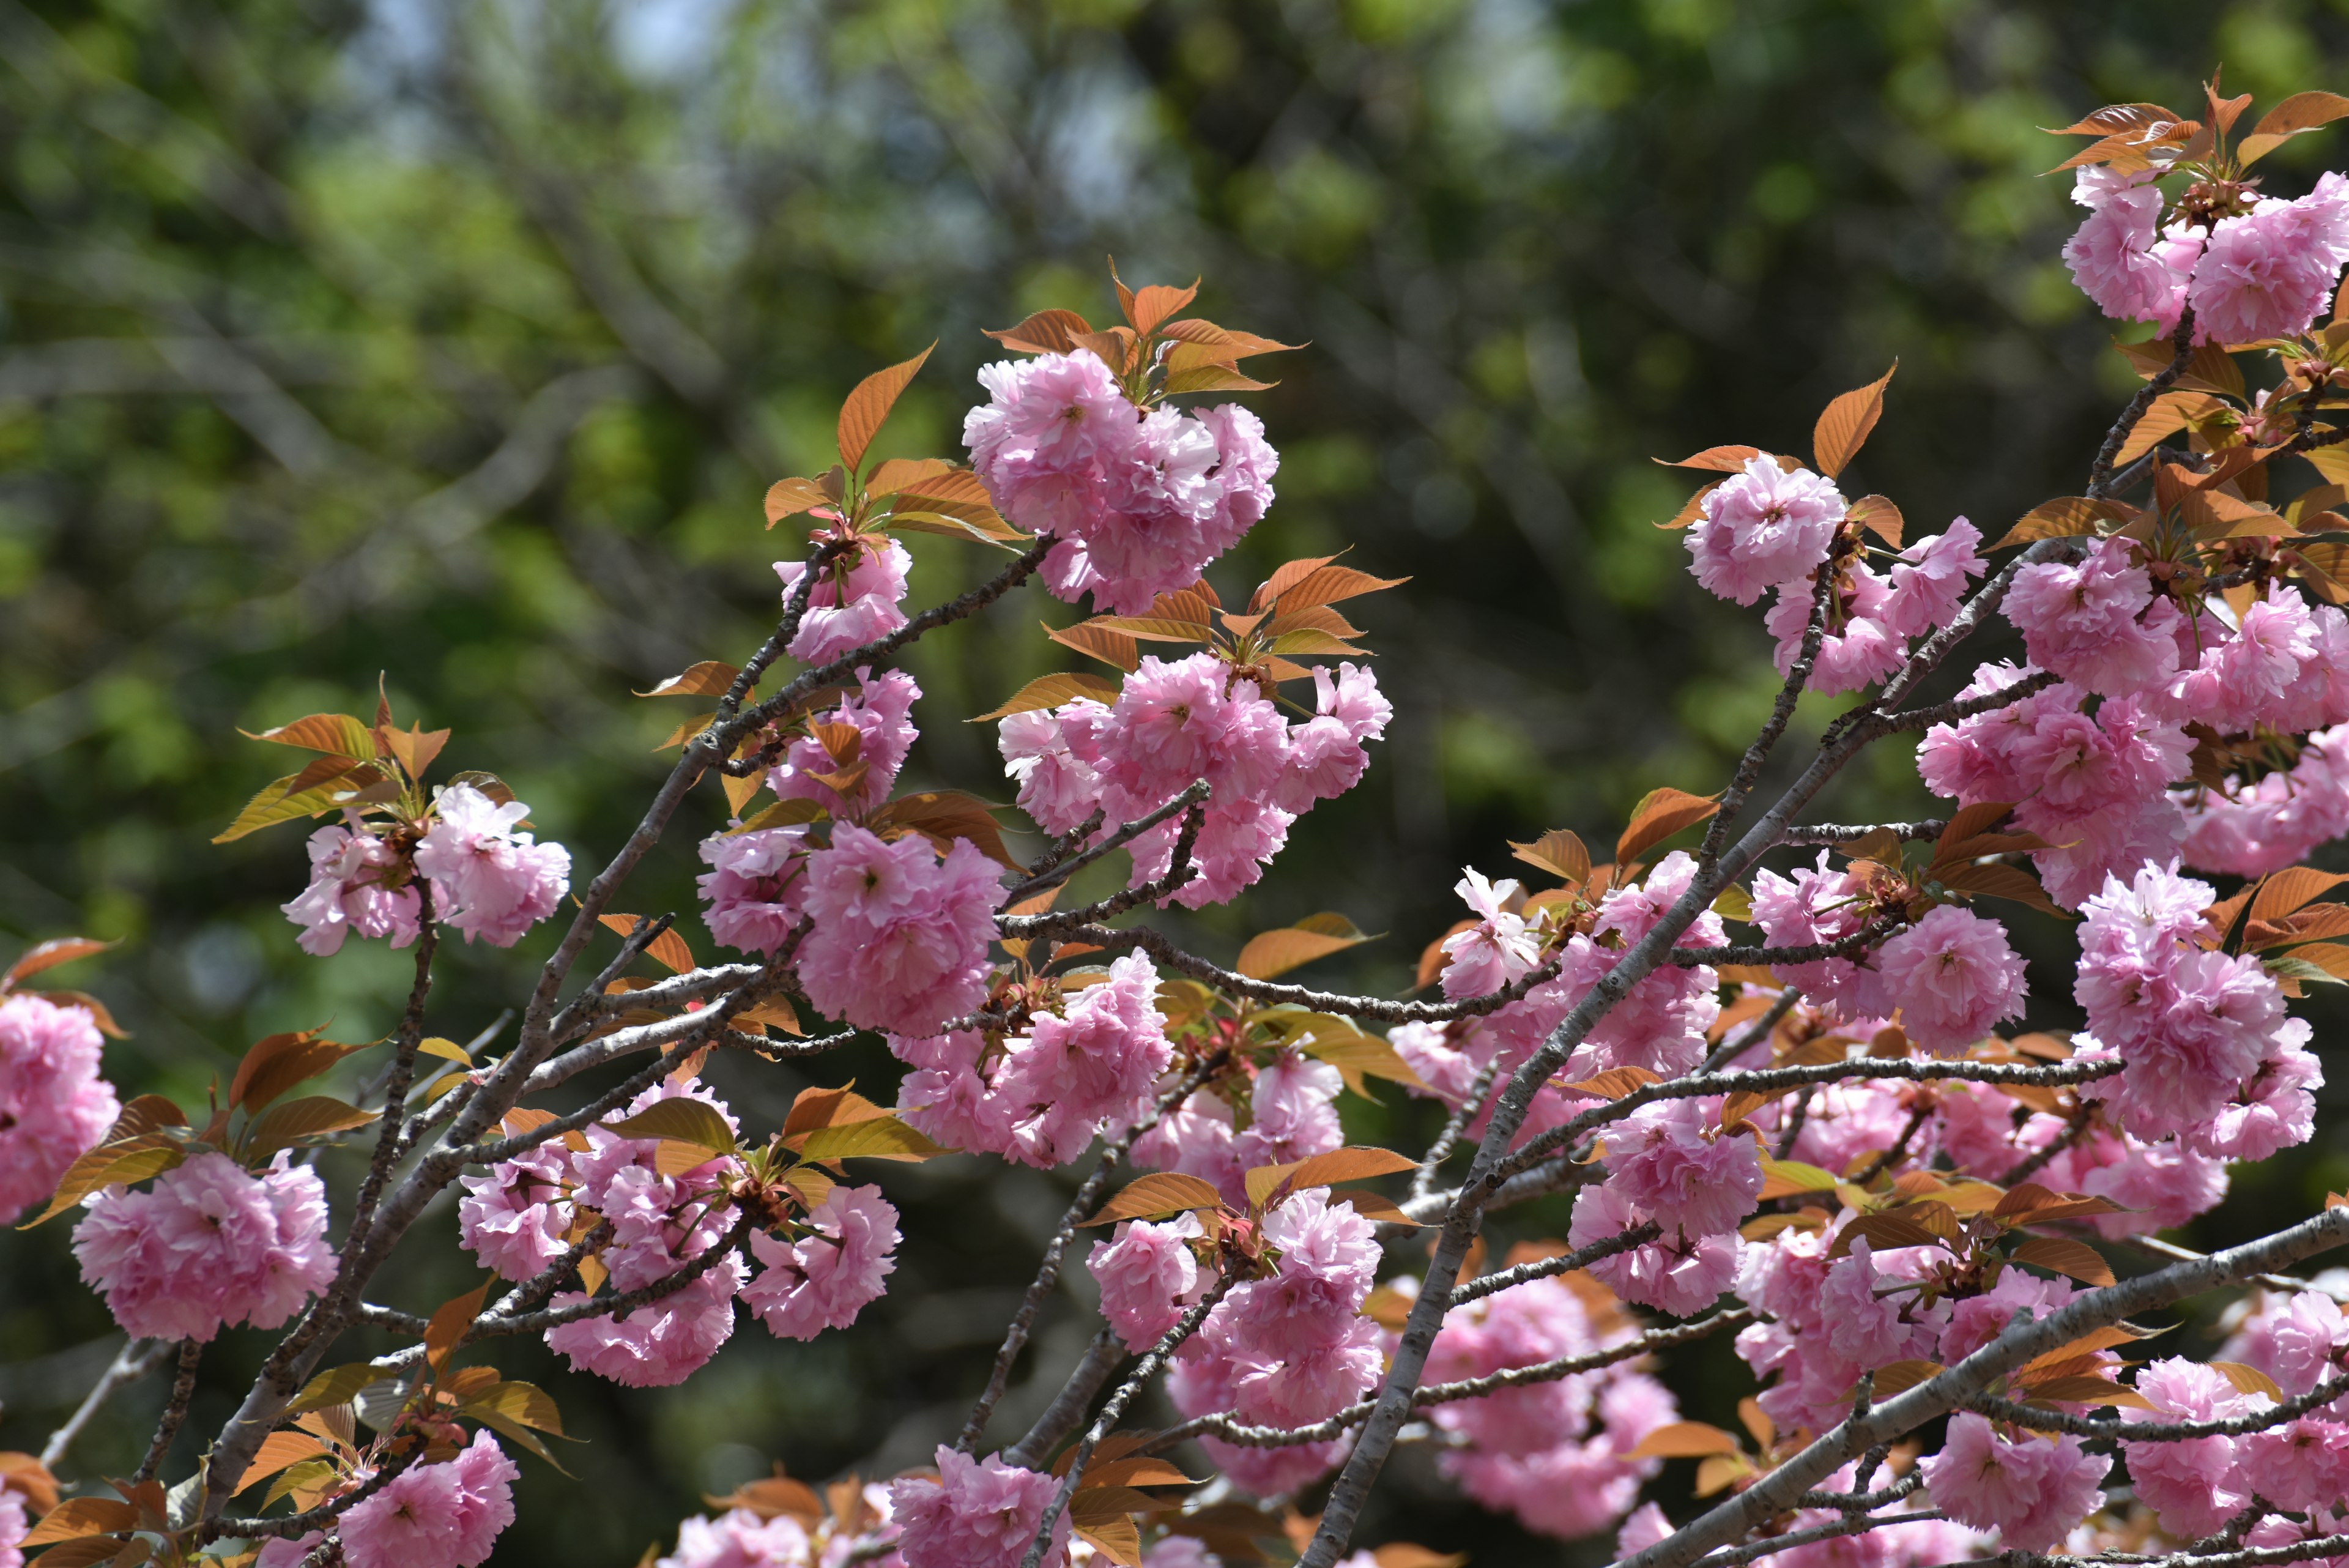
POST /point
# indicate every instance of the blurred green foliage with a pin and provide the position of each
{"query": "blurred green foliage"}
(453, 344)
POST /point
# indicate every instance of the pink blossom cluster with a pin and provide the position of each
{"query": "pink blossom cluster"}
(210, 1243)
(1555, 1453)
(740, 1538)
(1292, 1115)
(901, 935)
(1897, 1543)
(1174, 723)
(53, 1107)
(346, 894)
(1148, 1274)
(855, 601)
(1949, 978)
(2250, 829)
(13, 1527)
(881, 712)
(446, 1515)
(1290, 1349)
(1041, 1096)
(489, 879)
(1829, 1322)
(2265, 272)
(2093, 786)
(2030, 1488)
(526, 1212)
(2208, 1054)
(978, 1513)
(1872, 616)
(1140, 503)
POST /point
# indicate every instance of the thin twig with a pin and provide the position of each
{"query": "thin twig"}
(175, 1411)
(1058, 872)
(132, 1362)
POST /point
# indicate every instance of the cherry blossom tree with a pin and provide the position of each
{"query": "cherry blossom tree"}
(1778, 1095)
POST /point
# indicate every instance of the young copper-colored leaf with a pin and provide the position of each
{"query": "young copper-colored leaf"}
(1154, 303)
(1270, 954)
(1785, 1178)
(1883, 1231)
(2116, 118)
(1560, 853)
(1350, 1164)
(710, 678)
(944, 815)
(770, 1497)
(828, 1108)
(1683, 1440)
(861, 415)
(1900, 1376)
(1878, 516)
(2299, 113)
(278, 1451)
(1404, 1554)
(1615, 1082)
(2248, 1380)
(1156, 1196)
(1097, 642)
(1377, 1208)
(278, 1063)
(49, 955)
(2210, 369)
(282, 800)
(2171, 412)
(1718, 458)
(882, 1137)
(2288, 889)
(668, 949)
(790, 497)
(1284, 578)
(1843, 425)
(1996, 880)
(1220, 377)
(1226, 342)
(524, 1404)
(449, 1323)
(338, 733)
(682, 1120)
(2066, 516)
(1045, 332)
(2063, 1256)
(1660, 814)
(80, 1516)
(313, 1115)
(1051, 691)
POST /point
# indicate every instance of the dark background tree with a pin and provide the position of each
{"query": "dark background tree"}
(456, 343)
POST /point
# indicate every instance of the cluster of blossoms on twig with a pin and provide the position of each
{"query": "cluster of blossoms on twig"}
(1796, 1103)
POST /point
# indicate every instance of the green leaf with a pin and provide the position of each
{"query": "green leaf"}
(682, 1120)
(335, 1386)
(312, 1116)
(882, 1137)
(282, 800)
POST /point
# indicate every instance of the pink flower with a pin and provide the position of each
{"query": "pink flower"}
(2247, 674)
(1642, 1528)
(900, 939)
(1325, 756)
(488, 880)
(2032, 1492)
(1952, 975)
(1054, 428)
(1073, 1073)
(2296, 1339)
(856, 602)
(1678, 1274)
(2297, 1464)
(1057, 789)
(1762, 527)
(1147, 1276)
(1858, 646)
(1929, 580)
(2253, 829)
(347, 893)
(1868, 1329)
(14, 1528)
(880, 711)
(757, 887)
(1815, 905)
(447, 1515)
(978, 1513)
(2097, 624)
(54, 1108)
(1495, 950)
(740, 1540)
(661, 1344)
(2267, 272)
(1661, 1160)
(2194, 1485)
(208, 1244)
(1245, 464)
(1294, 1116)
(2117, 257)
(515, 1218)
(948, 1097)
(825, 1280)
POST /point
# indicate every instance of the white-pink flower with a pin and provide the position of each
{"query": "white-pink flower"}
(489, 879)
